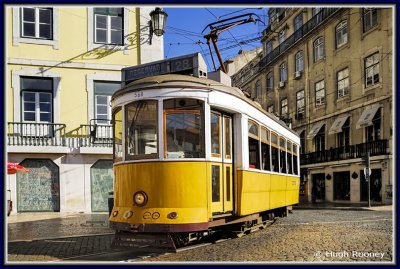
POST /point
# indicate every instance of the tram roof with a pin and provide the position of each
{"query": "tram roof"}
(184, 81)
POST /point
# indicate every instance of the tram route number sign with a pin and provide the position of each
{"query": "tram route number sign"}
(158, 68)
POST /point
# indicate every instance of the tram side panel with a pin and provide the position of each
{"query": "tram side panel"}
(292, 190)
(170, 186)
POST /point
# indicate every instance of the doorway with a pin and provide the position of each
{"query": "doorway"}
(222, 163)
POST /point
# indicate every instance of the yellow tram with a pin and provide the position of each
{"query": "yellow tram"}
(193, 156)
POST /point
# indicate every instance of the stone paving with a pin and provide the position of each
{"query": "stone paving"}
(320, 235)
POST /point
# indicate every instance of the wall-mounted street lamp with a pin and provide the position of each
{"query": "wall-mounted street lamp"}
(157, 22)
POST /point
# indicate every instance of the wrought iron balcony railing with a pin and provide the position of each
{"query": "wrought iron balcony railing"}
(375, 148)
(36, 134)
(95, 135)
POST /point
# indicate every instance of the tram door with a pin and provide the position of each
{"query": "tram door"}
(221, 167)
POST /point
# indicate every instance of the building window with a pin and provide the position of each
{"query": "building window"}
(343, 137)
(343, 82)
(319, 49)
(268, 47)
(373, 132)
(303, 142)
(282, 36)
(270, 109)
(37, 99)
(320, 93)
(371, 70)
(108, 25)
(341, 34)
(37, 23)
(102, 98)
(370, 18)
(299, 59)
(270, 81)
(316, 10)
(284, 107)
(298, 26)
(319, 139)
(258, 95)
(300, 105)
(283, 72)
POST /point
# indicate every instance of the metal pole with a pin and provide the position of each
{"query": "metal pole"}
(367, 176)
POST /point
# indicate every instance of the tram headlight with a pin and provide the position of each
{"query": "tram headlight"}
(140, 198)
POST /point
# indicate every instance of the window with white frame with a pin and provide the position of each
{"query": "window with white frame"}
(343, 83)
(283, 72)
(320, 93)
(284, 107)
(319, 139)
(102, 97)
(282, 36)
(37, 99)
(373, 132)
(371, 69)
(37, 22)
(370, 18)
(299, 59)
(300, 104)
(319, 49)
(270, 81)
(341, 34)
(108, 24)
(298, 26)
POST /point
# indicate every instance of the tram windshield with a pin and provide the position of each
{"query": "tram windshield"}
(141, 126)
(184, 130)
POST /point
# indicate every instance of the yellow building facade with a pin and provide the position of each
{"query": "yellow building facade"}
(328, 73)
(63, 65)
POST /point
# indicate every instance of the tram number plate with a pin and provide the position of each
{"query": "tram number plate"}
(138, 94)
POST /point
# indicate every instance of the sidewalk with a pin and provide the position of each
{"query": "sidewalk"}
(36, 226)
(343, 206)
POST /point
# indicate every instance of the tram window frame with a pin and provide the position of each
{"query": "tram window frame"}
(295, 159)
(152, 155)
(214, 132)
(289, 157)
(179, 106)
(282, 154)
(254, 145)
(227, 138)
(117, 157)
(265, 149)
(274, 152)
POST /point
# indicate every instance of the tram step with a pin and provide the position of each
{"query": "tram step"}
(161, 242)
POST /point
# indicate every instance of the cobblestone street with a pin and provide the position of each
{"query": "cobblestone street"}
(304, 236)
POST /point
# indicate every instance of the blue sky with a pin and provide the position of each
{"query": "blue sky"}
(185, 25)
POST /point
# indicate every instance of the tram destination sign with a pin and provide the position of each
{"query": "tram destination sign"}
(178, 65)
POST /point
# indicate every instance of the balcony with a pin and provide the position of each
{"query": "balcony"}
(36, 134)
(375, 148)
(53, 135)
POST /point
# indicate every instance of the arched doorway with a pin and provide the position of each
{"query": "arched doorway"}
(39, 189)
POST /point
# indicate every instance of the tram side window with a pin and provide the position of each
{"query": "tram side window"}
(215, 134)
(274, 153)
(282, 150)
(184, 128)
(141, 122)
(289, 158)
(254, 148)
(117, 128)
(265, 149)
(295, 160)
